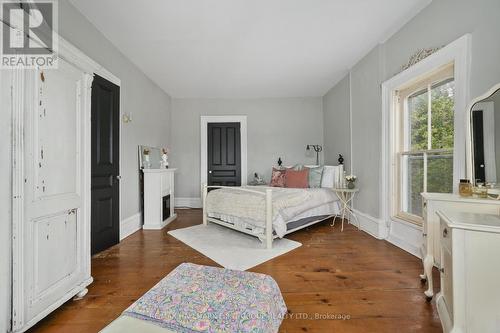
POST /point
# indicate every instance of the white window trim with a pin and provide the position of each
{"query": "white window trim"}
(457, 52)
(204, 120)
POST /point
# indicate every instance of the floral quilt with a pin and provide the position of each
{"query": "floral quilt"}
(195, 298)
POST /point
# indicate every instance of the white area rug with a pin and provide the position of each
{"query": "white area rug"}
(229, 248)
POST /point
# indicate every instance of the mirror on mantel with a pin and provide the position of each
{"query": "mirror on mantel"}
(485, 141)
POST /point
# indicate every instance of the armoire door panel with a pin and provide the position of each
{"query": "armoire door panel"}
(57, 131)
(55, 245)
(56, 261)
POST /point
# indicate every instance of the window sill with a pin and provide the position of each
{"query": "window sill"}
(416, 224)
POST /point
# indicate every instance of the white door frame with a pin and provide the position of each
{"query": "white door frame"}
(457, 52)
(204, 120)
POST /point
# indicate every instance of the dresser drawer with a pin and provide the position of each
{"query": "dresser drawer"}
(446, 272)
(445, 234)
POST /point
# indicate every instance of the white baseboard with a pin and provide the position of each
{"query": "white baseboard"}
(130, 225)
(161, 225)
(406, 236)
(371, 225)
(188, 202)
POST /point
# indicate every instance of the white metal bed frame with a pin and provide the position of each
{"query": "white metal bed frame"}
(267, 236)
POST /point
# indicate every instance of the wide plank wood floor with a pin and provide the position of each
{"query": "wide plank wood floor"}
(370, 283)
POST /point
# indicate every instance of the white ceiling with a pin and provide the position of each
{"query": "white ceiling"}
(247, 48)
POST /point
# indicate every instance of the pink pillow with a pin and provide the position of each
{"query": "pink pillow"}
(278, 177)
(297, 179)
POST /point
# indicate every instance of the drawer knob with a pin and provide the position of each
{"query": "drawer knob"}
(424, 234)
(445, 232)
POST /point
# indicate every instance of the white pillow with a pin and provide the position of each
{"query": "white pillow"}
(332, 175)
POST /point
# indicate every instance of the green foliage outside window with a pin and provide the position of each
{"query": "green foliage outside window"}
(439, 166)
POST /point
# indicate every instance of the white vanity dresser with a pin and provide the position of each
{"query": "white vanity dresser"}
(469, 300)
(431, 245)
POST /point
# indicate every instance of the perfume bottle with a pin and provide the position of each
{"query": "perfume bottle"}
(465, 188)
(481, 191)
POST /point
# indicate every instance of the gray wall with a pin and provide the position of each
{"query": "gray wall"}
(276, 127)
(366, 127)
(336, 111)
(150, 126)
(440, 23)
(150, 106)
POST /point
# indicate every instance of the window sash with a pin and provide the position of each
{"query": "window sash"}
(404, 140)
(404, 182)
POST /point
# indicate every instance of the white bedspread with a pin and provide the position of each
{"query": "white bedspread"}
(247, 209)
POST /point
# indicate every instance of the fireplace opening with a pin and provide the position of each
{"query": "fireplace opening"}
(166, 207)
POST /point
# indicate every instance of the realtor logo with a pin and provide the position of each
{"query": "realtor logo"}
(29, 37)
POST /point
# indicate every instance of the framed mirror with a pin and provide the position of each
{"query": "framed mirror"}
(484, 140)
(150, 157)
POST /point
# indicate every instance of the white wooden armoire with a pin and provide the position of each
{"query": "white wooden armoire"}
(51, 185)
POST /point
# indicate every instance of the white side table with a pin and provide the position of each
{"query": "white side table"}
(346, 195)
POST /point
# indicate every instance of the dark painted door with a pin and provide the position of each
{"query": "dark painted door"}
(478, 146)
(224, 155)
(105, 223)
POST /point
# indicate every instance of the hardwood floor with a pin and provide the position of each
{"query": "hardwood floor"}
(372, 283)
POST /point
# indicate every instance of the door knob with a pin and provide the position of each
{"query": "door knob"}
(118, 177)
(210, 171)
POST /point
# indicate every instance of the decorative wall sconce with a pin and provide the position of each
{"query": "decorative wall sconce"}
(127, 118)
(318, 149)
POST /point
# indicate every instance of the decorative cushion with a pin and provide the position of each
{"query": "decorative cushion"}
(278, 177)
(297, 179)
(315, 175)
(195, 298)
(331, 175)
(298, 167)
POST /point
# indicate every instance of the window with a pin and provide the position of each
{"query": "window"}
(425, 141)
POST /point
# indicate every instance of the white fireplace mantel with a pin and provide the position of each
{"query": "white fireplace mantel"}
(158, 183)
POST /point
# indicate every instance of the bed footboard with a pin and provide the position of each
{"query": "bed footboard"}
(267, 236)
